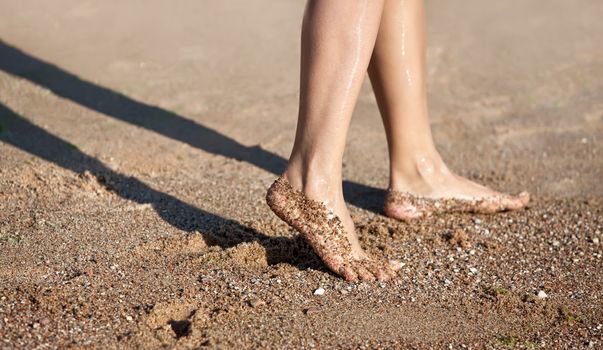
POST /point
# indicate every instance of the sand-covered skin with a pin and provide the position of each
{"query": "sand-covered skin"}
(136, 148)
(408, 207)
(324, 232)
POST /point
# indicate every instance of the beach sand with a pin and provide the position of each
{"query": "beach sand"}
(138, 139)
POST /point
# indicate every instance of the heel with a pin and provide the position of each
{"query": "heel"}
(279, 197)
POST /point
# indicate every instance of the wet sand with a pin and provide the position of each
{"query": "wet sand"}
(137, 141)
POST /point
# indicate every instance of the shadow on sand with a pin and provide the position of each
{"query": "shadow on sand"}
(216, 230)
(116, 105)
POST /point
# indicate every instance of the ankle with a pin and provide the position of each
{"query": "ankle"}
(420, 173)
(315, 180)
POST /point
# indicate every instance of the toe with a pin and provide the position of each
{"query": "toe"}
(364, 274)
(380, 270)
(348, 274)
(490, 205)
(394, 265)
(383, 274)
(524, 198)
(336, 264)
(515, 202)
(499, 203)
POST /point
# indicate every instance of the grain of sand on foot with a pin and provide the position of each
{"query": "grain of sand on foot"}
(137, 143)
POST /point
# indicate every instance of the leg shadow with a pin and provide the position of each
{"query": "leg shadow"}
(161, 121)
(21, 133)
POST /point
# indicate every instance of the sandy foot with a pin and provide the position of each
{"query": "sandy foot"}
(406, 206)
(434, 189)
(324, 232)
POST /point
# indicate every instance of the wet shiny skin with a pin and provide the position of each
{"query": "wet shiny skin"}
(341, 40)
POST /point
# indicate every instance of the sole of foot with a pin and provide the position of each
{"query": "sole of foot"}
(324, 232)
(407, 207)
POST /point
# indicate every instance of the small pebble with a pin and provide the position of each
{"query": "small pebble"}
(129, 318)
(596, 241)
(255, 302)
(394, 262)
(473, 270)
(319, 291)
(311, 310)
(542, 295)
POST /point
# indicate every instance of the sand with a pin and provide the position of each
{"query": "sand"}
(138, 139)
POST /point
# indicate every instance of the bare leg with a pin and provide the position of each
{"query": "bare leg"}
(338, 37)
(398, 75)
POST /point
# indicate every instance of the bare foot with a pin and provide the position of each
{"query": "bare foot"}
(433, 189)
(325, 233)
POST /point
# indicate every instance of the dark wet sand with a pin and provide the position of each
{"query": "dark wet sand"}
(137, 142)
